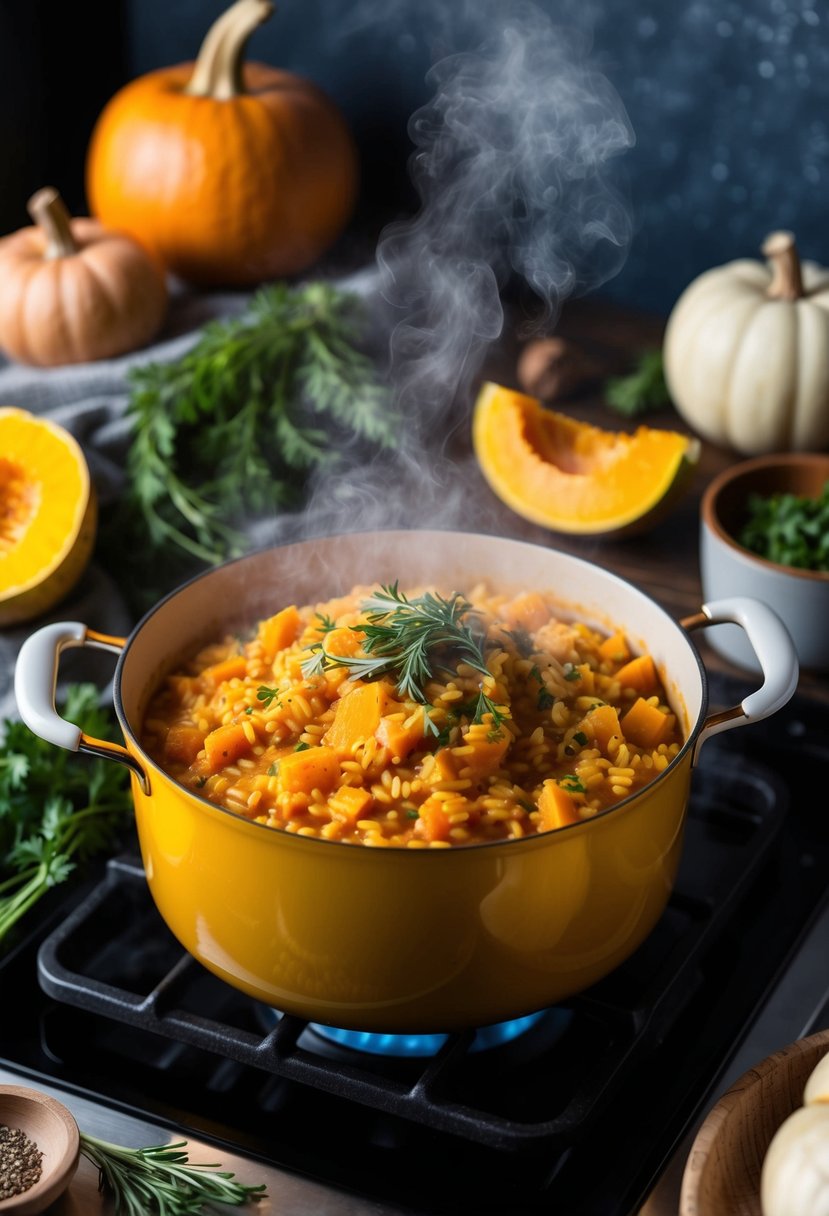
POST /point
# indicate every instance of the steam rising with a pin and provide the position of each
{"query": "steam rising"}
(513, 166)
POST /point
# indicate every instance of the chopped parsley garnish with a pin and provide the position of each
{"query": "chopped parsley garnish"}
(302, 747)
(571, 672)
(249, 709)
(273, 769)
(572, 785)
(267, 695)
(641, 390)
(545, 699)
(789, 529)
(412, 814)
(55, 814)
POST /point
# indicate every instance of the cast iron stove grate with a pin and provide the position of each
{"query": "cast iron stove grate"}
(113, 956)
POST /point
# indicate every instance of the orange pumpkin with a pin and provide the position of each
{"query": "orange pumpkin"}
(71, 291)
(231, 173)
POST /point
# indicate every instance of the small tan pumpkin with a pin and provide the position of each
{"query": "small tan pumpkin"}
(71, 291)
(746, 353)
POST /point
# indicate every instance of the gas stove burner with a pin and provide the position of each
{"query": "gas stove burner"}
(419, 1045)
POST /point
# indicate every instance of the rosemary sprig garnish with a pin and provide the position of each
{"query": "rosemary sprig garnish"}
(413, 640)
(160, 1179)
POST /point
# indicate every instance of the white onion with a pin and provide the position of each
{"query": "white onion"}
(795, 1175)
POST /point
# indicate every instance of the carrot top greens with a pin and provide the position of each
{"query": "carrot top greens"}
(232, 429)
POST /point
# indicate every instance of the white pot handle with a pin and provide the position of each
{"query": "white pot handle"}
(35, 681)
(774, 648)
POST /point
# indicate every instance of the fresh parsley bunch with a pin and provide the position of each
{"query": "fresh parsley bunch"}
(642, 391)
(56, 809)
(790, 529)
(232, 430)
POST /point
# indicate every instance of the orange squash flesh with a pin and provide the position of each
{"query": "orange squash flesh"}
(48, 515)
(573, 477)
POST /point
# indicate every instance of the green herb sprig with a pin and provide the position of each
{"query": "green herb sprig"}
(161, 1179)
(232, 430)
(413, 640)
(789, 529)
(641, 391)
(56, 810)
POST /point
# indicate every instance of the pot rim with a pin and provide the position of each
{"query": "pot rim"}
(535, 839)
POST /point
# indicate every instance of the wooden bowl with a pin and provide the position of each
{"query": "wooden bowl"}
(722, 1174)
(55, 1132)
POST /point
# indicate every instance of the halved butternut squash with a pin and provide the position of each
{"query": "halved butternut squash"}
(48, 515)
(573, 477)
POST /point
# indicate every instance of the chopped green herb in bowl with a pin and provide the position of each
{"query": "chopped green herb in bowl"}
(790, 529)
(765, 536)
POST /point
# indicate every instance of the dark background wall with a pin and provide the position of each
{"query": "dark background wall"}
(728, 99)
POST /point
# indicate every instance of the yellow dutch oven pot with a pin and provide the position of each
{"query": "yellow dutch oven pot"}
(405, 940)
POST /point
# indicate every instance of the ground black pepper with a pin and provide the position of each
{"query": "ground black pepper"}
(20, 1162)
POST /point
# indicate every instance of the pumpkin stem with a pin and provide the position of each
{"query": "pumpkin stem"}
(48, 211)
(786, 277)
(218, 69)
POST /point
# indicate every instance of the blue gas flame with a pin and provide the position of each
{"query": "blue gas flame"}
(425, 1044)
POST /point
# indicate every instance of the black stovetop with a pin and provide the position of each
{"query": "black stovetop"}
(579, 1114)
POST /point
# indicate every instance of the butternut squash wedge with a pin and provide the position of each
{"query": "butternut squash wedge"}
(48, 515)
(573, 477)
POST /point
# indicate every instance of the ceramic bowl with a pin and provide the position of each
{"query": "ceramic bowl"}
(722, 1174)
(799, 597)
(53, 1129)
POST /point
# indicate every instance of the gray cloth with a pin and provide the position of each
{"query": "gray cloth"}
(90, 401)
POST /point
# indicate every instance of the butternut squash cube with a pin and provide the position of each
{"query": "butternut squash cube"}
(279, 631)
(350, 803)
(317, 768)
(640, 675)
(601, 725)
(433, 822)
(646, 726)
(225, 745)
(398, 737)
(183, 743)
(228, 669)
(615, 649)
(357, 716)
(529, 612)
(557, 807)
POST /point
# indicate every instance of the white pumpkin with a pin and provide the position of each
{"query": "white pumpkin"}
(746, 353)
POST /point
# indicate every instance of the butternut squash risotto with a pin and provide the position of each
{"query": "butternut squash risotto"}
(415, 719)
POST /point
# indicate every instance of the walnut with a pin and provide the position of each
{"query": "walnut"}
(551, 368)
